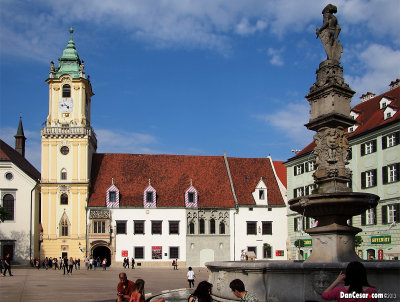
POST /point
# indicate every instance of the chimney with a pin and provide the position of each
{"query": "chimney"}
(367, 96)
(394, 84)
(20, 139)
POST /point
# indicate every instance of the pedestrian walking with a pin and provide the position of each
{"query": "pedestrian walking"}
(104, 264)
(79, 263)
(60, 262)
(190, 277)
(133, 263)
(71, 265)
(7, 265)
(65, 265)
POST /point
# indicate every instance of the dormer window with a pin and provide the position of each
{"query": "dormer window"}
(261, 195)
(149, 197)
(384, 105)
(112, 196)
(389, 112)
(66, 91)
(191, 197)
(384, 102)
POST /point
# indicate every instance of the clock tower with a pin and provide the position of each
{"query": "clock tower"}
(68, 143)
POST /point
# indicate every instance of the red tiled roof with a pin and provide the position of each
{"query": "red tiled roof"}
(170, 176)
(370, 117)
(281, 171)
(9, 154)
(247, 172)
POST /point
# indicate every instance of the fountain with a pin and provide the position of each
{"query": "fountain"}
(332, 203)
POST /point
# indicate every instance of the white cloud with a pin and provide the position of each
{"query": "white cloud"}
(289, 121)
(125, 142)
(276, 56)
(33, 29)
(380, 65)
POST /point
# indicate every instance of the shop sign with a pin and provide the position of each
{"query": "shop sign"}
(381, 239)
(124, 253)
(380, 254)
(307, 242)
(279, 252)
(156, 252)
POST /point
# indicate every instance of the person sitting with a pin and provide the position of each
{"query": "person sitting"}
(124, 288)
(138, 291)
(202, 293)
(238, 289)
(355, 282)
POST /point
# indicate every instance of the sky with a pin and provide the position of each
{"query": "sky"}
(191, 77)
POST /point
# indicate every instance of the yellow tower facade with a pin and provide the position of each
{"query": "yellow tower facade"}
(68, 142)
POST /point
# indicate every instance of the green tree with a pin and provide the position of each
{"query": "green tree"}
(299, 243)
(3, 214)
(357, 241)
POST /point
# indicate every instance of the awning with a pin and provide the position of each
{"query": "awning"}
(393, 251)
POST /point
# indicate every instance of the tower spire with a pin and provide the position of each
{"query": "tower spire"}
(20, 138)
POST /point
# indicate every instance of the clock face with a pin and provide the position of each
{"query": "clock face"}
(66, 105)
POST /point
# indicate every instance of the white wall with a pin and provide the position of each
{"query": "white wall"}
(129, 241)
(19, 228)
(279, 231)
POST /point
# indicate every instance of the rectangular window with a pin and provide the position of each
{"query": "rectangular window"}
(121, 227)
(390, 140)
(267, 251)
(298, 192)
(99, 227)
(261, 194)
(139, 252)
(251, 228)
(267, 227)
(298, 224)
(299, 169)
(252, 249)
(63, 175)
(391, 173)
(156, 227)
(368, 148)
(310, 166)
(370, 216)
(113, 196)
(138, 227)
(191, 197)
(368, 179)
(173, 252)
(64, 230)
(392, 213)
(174, 227)
(149, 196)
(309, 189)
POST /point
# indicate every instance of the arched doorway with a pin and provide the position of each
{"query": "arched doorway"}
(102, 252)
(371, 254)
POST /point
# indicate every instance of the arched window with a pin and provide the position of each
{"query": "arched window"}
(64, 225)
(63, 174)
(212, 226)
(222, 228)
(64, 198)
(202, 226)
(191, 228)
(66, 91)
(8, 205)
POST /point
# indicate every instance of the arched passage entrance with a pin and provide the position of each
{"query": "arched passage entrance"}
(102, 252)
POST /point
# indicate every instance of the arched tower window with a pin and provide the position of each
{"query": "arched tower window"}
(64, 198)
(8, 205)
(63, 175)
(222, 228)
(212, 226)
(66, 91)
(191, 228)
(202, 226)
(64, 225)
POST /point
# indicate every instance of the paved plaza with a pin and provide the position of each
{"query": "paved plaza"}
(29, 284)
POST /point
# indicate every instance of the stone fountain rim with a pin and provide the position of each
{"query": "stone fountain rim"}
(360, 197)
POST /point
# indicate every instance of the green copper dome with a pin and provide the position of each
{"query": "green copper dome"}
(69, 62)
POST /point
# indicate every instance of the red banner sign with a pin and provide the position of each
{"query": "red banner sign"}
(124, 253)
(380, 254)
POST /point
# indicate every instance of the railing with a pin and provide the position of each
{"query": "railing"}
(68, 131)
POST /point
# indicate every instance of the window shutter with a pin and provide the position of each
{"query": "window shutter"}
(294, 193)
(375, 218)
(374, 145)
(349, 154)
(302, 168)
(375, 176)
(397, 214)
(363, 218)
(307, 167)
(363, 180)
(295, 170)
(385, 175)
(307, 223)
(295, 224)
(396, 138)
(384, 142)
(384, 215)
(362, 149)
(398, 172)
